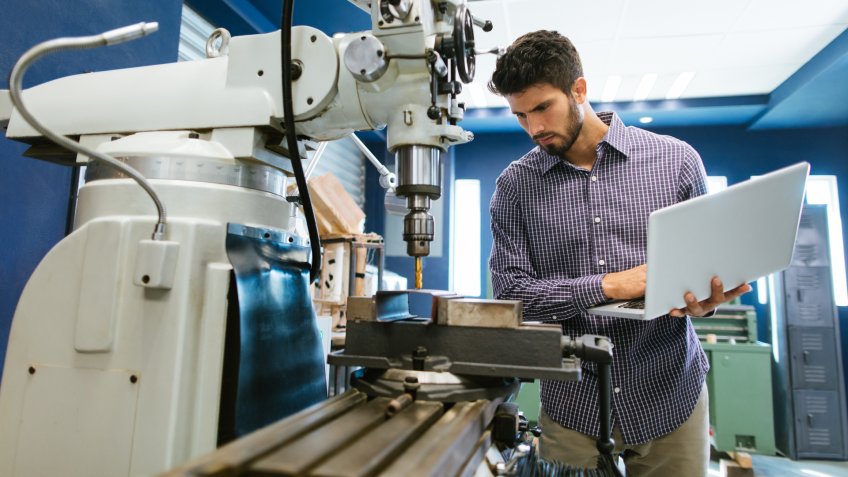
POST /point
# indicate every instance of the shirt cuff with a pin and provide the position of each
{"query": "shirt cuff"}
(587, 291)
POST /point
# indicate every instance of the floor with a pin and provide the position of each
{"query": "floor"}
(773, 466)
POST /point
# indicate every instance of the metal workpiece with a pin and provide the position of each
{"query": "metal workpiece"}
(460, 311)
(448, 308)
(462, 350)
(392, 305)
(366, 59)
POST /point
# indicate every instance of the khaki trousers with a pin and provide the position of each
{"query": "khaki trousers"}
(683, 452)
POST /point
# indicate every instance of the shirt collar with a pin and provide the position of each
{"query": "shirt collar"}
(615, 137)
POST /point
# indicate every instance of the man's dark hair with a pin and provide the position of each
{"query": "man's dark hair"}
(539, 57)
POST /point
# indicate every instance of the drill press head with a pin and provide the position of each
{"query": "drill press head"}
(419, 172)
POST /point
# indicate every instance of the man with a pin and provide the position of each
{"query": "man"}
(569, 221)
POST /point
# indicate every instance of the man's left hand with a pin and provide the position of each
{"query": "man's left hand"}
(719, 296)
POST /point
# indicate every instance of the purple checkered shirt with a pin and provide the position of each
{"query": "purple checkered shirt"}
(558, 229)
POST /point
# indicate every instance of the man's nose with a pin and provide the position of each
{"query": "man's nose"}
(534, 126)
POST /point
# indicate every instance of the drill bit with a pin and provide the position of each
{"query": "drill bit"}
(419, 275)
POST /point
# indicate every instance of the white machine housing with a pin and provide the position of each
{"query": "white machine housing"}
(116, 347)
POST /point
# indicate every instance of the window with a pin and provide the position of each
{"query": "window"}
(716, 184)
(823, 190)
(465, 253)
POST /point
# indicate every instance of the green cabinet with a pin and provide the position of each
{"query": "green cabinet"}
(740, 389)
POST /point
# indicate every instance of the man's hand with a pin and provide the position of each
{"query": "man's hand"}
(625, 285)
(719, 296)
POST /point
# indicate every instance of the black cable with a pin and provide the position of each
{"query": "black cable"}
(291, 136)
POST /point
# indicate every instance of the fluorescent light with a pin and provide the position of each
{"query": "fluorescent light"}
(611, 89)
(823, 190)
(716, 184)
(646, 119)
(762, 291)
(773, 315)
(680, 85)
(645, 86)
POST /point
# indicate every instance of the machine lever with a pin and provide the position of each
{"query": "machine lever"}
(388, 179)
(485, 25)
(496, 50)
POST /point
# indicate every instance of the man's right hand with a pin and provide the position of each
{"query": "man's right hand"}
(625, 285)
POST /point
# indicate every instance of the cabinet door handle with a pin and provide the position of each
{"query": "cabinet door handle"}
(806, 357)
(810, 420)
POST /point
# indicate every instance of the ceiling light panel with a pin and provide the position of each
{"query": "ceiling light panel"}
(569, 18)
(610, 91)
(731, 44)
(652, 18)
(738, 81)
(796, 45)
(663, 55)
(777, 14)
(680, 85)
(646, 85)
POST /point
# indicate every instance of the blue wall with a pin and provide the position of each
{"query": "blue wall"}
(34, 194)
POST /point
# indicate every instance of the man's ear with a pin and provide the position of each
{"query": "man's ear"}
(578, 90)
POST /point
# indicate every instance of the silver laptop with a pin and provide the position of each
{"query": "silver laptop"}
(739, 234)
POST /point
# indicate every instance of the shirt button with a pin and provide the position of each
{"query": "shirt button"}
(553, 317)
(594, 178)
(617, 389)
(597, 220)
(601, 262)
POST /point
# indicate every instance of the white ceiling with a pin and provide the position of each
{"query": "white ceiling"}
(734, 47)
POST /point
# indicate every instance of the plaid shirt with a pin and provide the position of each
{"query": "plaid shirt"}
(558, 229)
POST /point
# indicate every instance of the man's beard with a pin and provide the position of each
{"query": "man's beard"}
(576, 116)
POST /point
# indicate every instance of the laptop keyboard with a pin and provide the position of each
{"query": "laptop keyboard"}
(636, 304)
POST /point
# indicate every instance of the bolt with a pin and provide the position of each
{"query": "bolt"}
(418, 357)
(296, 70)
